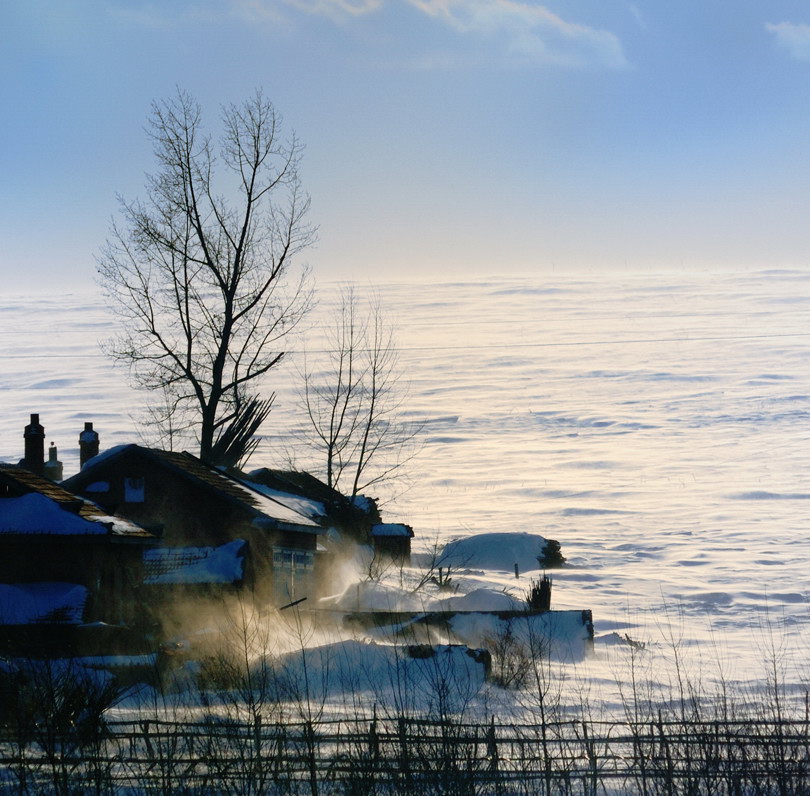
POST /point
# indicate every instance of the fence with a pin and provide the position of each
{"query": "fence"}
(407, 755)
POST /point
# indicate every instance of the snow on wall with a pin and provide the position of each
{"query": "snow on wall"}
(187, 565)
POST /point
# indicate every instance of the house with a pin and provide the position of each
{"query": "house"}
(197, 536)
(66, 565)
(210, 524)
(392, 540)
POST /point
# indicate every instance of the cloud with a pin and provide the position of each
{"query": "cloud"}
(795, 38)
(530, 32)
(206, 12)
(335, 8)
(526, 32)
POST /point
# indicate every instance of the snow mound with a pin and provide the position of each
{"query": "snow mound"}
(481, 600)
(564, 636)
(414, 678)
(498, 551)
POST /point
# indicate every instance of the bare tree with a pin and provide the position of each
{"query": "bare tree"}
(354, 402)
(201, 273)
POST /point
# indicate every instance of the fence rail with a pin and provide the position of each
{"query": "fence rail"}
(408, 755)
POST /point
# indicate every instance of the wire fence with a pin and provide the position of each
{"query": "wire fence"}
(412, 756)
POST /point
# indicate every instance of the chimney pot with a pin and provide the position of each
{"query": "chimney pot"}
(53, 467)
(88, 444)
(34, 436)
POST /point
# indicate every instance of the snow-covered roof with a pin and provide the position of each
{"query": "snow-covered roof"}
(37, 514)
(40, 603)
(188, 565)
(364, 503)
(109, 453)
(391, 529)
(272, 511)
(275, 509)
(313, 509)
(39, 506)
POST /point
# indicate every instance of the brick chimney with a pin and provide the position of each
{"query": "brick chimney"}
(34, 437)
(88, 444)
(53, 467)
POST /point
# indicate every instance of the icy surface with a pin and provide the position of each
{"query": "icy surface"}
(656, 424)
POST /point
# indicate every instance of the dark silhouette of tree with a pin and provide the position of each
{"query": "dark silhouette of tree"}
(354, 400)
(202, 274)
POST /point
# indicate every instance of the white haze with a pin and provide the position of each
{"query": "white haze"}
(657, 425)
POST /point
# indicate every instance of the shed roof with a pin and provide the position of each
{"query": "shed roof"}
(297, 482)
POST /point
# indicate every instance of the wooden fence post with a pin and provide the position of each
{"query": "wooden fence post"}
(373, 740)
(670, 781)
(257, 736)
(145, 728)
(492, 745)
(590, 752)
(309, 734)
(404, 761)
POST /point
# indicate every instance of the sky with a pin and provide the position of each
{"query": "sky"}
(443, 137)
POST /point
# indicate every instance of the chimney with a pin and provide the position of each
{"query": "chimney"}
(34, 437)
(53, 467)
(88, 444)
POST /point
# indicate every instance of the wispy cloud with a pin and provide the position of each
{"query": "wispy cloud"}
(528, 31)
(513, 30)
(211, 12)
(793, 37)
(335, 8)
(523, 31)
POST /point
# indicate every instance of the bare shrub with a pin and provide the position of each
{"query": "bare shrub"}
(511, 659)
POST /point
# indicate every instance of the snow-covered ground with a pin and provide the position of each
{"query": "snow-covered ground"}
(657, 425)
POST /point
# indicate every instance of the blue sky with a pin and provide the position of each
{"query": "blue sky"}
(443, 137)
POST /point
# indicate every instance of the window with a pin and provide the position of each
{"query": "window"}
(134, 490)
(292, 573)
(287, 560)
